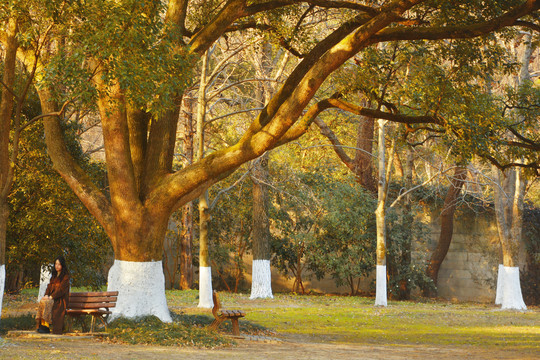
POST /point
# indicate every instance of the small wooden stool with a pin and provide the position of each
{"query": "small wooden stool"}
(222, 315)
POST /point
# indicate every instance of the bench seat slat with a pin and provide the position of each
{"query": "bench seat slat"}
(95, 293)
(88, 312)
(76, 305)
(235, 313)
(92, 299)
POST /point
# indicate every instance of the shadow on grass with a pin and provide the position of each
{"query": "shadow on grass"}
(185, 330)
(198, 320)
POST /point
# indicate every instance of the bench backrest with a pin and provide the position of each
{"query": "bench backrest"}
(92, 300)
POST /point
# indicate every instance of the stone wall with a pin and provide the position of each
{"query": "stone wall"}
(468, 273)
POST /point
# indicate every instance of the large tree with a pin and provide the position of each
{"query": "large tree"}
(137, 61)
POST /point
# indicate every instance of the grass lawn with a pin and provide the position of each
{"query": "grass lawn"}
(344, 319)
(354, 320)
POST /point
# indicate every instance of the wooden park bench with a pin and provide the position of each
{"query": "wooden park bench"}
(222, 315)
(95, 304)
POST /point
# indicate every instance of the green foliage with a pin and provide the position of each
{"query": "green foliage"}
(465, 90)
(345, 243)
(293, 216)
(230, 233)
(127, 43)
(405, 272)
(150, 330)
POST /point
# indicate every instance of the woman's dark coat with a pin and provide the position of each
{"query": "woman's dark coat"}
(58, 289)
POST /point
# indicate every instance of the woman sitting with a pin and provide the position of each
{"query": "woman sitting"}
(53, 305)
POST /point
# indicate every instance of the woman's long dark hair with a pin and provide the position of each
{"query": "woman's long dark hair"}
(64, 270)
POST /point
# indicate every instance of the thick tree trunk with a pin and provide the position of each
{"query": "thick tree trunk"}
(508, 209)
(136, 231)
(261, 283)
(509, 197)
(141, 289)
(447, 224)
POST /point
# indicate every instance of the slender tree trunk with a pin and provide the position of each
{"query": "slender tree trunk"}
(380, 218)
(400, 172)
(447, 225)
(261, 281)
(186, 248)
(205, 271)
(171, 255)
(6, 166)
(261, 285)
(186, 245)
(298, 283)
(404, 291)
(363, 162)
(4, 214)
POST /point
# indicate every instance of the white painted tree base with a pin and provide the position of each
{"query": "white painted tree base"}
(205, 288)
(512, 297)
(380, 281)
(261, 281)
(2, 283)
(500, 282)
(141, 289)
(44, 280)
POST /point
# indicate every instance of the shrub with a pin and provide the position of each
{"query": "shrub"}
(21, 322)
(152, 331)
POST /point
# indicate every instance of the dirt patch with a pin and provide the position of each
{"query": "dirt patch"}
(56, 348)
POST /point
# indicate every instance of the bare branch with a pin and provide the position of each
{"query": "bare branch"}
(231, 114)
(402, 195)
(223, 191)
